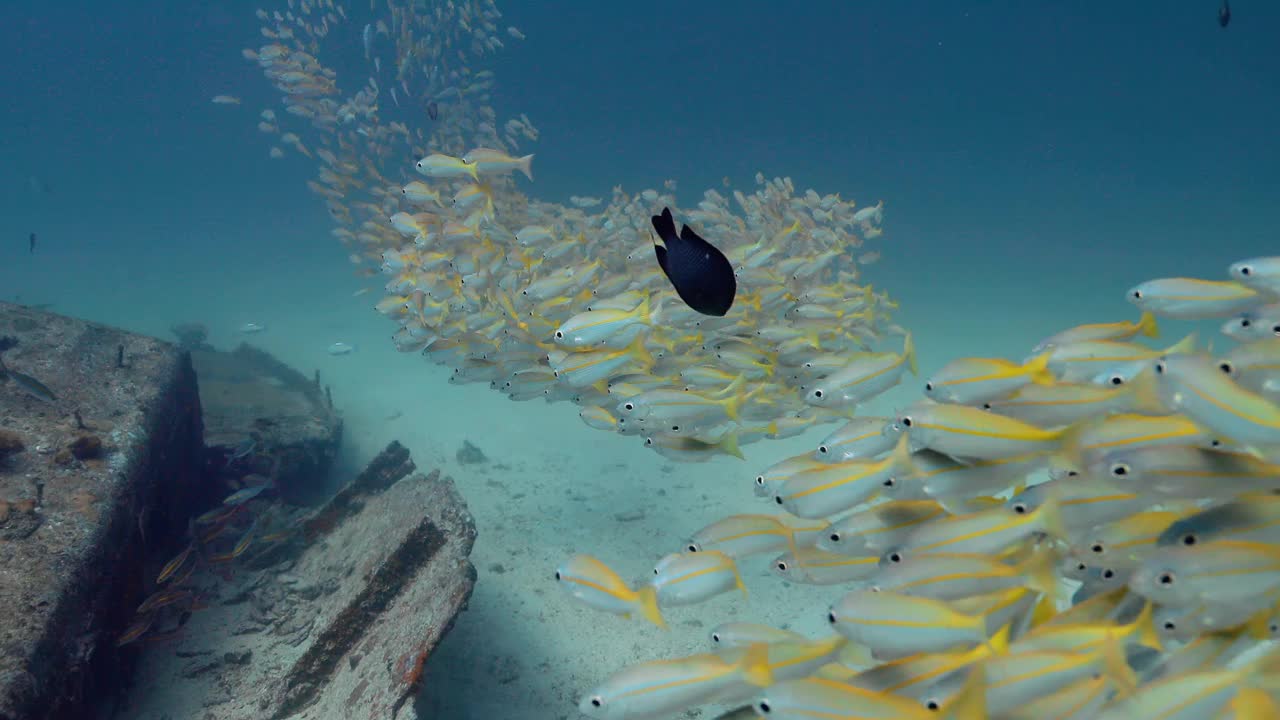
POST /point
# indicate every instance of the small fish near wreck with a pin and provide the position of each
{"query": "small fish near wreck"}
(341, 348)
(32, 386)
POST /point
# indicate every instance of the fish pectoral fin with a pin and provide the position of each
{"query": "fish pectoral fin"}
(661, 252)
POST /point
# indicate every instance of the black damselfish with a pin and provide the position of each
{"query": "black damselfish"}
(701, 274)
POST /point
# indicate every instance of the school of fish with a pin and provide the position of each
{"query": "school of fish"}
(566, 302)
(1092, 531)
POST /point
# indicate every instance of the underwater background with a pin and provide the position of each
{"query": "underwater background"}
(1035, 161)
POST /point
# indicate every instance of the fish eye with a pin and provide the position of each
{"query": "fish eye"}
(655, 571)
(1116, 380)
(1245, 322)
(895, 557)
(648, 442)
(834, 537)
(1160, 368)
(596, 701)
(763, 705)
(782, 565)
(1081, 567)
(1120, 469)
(675, 428)
(628, 406)
(817, 393)
(1137, 294)
(1165, 579)
(928, 387)
(823, 450)
(559, 335)
(1273, 628)
(1275, 329)
(1097, 548)
(1020, 508)
(831, 618)
(986, 406)
(1246, 270)
(715, 637)
(1072, 473)
(777, 499)
(557, 575)
(932, 705)
(1189, 539)
(890, 482)
(691, 547)
(760, 480)
(1108, 574)
(1170, 625)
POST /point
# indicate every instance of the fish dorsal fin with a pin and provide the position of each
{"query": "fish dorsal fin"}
(694, 239)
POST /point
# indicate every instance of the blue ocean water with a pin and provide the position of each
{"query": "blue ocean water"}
(1035, 161)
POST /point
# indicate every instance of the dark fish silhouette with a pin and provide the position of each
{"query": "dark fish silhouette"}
(701, 274)
(1224, 14)
(31, 248)
(433, 110)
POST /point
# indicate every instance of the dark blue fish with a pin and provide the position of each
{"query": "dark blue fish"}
(1224, 14)
(31, 247)
(701, 274)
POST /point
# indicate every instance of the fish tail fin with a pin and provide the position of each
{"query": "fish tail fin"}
(998, 644)
(1038, 369)
(900, 458)
(1185, 345)
(641, 353)
(472, 170)
(1040, 571)
(1117, 667)
(755, 665)
(665, 225)
(737, 578)
(909, 354)
(1251, 702)
(1051, 518)
(729, 444)
(644, 311)
(647, 603)
(971, 702)
(1147, 325)
(1144, 627)
(526, 166)
(1145, 393)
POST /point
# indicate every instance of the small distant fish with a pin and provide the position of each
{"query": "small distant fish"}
(31, 247)
(226, 100)
(243, 450)
(341, 348)
(701, 274)
(433, 111)
(584, 202)
(1224, 14)
(32, 386)
(251, 328)
(367, 37)
(38, 186)
(244, 495)
(515, 33)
